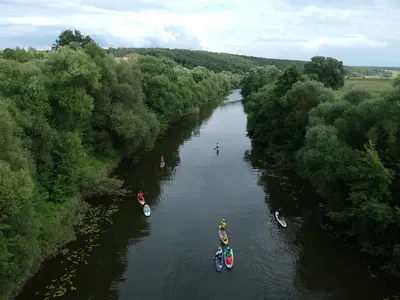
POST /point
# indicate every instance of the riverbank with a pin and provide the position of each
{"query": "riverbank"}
(64, 127)
(91, 219)
(99, 217)
(336, 140)
(171, 251)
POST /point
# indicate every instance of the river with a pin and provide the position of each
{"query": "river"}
(169, 254)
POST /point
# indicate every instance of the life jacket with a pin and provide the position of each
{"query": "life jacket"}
(223, 224)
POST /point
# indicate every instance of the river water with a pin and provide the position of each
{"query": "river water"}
(169, 254)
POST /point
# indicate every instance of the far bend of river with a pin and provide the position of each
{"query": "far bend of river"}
(169, 254)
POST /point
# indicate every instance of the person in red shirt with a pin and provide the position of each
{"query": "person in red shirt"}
(140, 195)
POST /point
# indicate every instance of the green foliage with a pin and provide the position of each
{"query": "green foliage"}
(21, 55)
(396, 81)
(234, 63)
(68, 36)
(66, 117)
(216, 62)
(290, 76)
(347, 145)
(257, 78)
(328, 70)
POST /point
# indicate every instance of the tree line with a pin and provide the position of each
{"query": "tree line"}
(66, 117)
(235, 63)
(345, 144)
(216, 62)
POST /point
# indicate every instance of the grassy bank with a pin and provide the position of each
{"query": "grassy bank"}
(66, 117)
(371, 84)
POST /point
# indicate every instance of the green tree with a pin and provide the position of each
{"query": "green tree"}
(346, 144)
(396, 81)
(327, 70)
(66, 117)
(257, 78)
(285, 81)
(68, 36)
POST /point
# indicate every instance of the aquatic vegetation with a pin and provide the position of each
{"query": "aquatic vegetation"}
(67, 116)
(89, 232)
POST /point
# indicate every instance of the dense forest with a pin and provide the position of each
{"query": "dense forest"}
(218, 62)
(346, 144)
(66, 117)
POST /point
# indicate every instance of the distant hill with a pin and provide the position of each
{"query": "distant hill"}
(211, 60)
(238, 63)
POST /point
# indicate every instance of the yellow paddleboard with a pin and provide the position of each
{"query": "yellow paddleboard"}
(223, 236)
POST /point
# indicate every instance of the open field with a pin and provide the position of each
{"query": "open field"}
(374, 85)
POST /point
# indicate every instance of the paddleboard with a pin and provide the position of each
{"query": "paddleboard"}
(228, 265)
(281, 221)
(223, 236)
(219, 262)
(147, 210)
(141, 201)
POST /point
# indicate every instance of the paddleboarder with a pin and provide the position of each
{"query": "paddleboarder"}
(222, 226)
(280, 213)
(219, 252)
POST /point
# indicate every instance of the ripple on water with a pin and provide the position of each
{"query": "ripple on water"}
(267, 255)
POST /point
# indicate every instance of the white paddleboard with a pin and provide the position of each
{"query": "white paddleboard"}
(146, 210)
(228, 266)
(281, 221)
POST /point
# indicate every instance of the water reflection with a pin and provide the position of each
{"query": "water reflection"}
(107, 263)
(146, 175)
(171, 256)
(326, 266)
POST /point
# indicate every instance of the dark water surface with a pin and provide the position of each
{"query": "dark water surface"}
(169, 254)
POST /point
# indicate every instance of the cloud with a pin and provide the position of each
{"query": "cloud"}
(357, 32)
(346, 41)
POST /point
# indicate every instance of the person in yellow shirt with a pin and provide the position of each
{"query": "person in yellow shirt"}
(223, 225)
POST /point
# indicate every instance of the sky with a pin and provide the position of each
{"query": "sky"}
(358, 32)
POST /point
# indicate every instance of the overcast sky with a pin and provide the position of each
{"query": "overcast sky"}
(358, 32)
